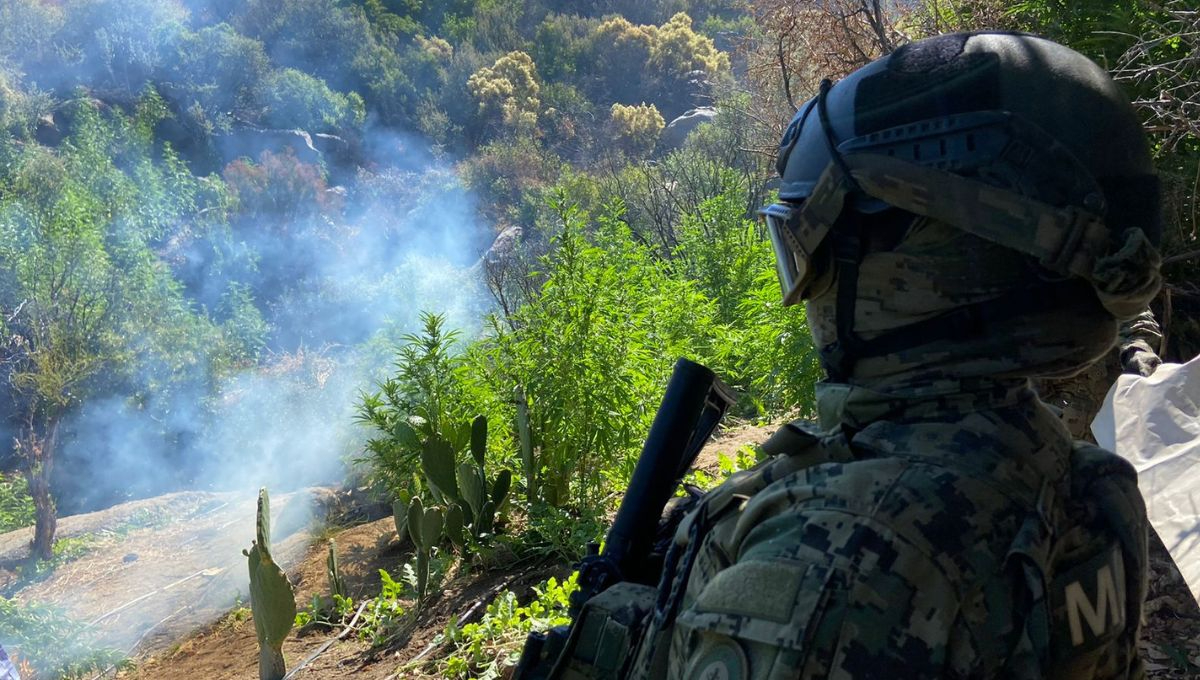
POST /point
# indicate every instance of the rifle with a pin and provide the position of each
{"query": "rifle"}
(692, 406)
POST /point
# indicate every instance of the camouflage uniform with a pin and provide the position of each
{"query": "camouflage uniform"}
(1078, 399)
(955, 228)
(912, 539)
(963, 215)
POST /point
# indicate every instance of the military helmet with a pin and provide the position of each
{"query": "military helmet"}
(1009, 137)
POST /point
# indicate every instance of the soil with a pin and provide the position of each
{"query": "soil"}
(174, 604)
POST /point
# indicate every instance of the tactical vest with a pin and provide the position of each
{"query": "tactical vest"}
(1077, 562)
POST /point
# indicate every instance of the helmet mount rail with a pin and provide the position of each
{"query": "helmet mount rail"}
(944, 169)
(1020, 142)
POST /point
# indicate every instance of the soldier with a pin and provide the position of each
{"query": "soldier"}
(967, 213)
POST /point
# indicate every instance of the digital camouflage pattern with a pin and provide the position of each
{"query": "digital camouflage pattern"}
(939, 522)
(923, 545)
(1077, 399)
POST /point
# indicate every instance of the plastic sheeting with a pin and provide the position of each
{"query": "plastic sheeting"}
(1154, 423)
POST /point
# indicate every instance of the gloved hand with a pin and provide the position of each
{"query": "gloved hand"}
(1139, 359)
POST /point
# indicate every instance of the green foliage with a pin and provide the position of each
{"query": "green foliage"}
(508, 90)
(122, 44)
(218, 71)
(20, 108)
(560, 44)
(413, 410)
(636, 127)
(16, 505)
(723, 251)
(294, 99)
(777, 363)
(329, 40)
(337, 585)
(327, 612)
(678, 50)
(242, 323)
(592, 350)
(78, 229)
(745, 458)
(632, 63)
(51, 644)
(489, 648)
(385, 615)
(510, 174)
(560, 534)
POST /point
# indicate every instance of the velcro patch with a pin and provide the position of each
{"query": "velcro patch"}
(1089, 603)
(765, 590)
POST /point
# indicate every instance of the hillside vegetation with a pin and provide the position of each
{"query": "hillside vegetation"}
(444, 251)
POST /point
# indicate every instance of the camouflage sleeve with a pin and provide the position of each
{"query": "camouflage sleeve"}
(1139, 341)
(823, 588)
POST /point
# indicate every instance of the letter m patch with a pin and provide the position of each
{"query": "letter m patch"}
(1089, 603)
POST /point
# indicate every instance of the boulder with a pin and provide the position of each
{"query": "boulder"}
(674, 135)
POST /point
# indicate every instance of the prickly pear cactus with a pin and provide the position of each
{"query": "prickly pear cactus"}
(501, 486)
(272, 599)
(337, 586)
(526, 439)
(455, 526)
(472, 486)
(479, 428)
(437, 462)
(415, 512)
(400, 517)
(425, 526)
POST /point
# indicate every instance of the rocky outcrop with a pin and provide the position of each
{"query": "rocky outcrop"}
(674, 135)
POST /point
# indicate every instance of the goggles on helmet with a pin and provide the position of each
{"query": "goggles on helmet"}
(794, 270)
(965, 170)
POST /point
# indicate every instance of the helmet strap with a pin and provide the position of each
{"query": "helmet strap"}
(839, 356)
(830, 140)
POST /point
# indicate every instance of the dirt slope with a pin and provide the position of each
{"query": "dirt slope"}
(162, 587)
(155, 570)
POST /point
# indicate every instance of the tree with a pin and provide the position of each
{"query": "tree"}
(218, 70)
(618, 57)
(294, 99)
(678, 50)
(59, 321)
(636, 127)
(800, 44)
(80, 282)
(508, 89)
(666, 64)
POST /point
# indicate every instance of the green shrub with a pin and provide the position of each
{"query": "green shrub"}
(16, 506)
(412, 407)
(592, 351)
(50, 643)
(636, 128)
(488, 648)
(294, 99)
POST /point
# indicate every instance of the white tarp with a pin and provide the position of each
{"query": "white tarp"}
(1154, 423)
